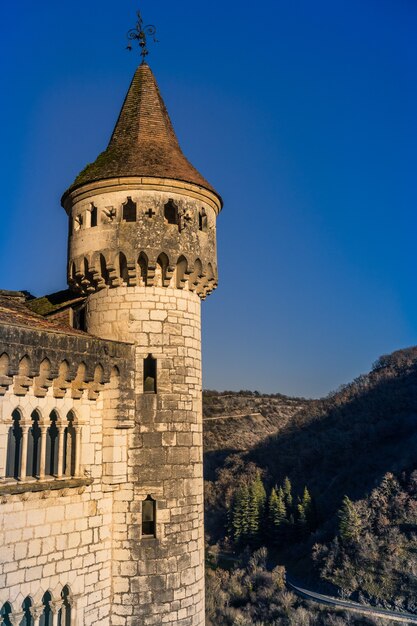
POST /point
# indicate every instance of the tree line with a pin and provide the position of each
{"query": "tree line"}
(256, 517)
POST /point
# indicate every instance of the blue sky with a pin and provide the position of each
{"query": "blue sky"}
(302, 114)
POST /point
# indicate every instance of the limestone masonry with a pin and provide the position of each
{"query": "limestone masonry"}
(101, 483)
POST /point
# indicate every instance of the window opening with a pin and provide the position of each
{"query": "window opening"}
(93, 216)
(33, 458)
(5, 613)
(202, 220)
(51, 459)
(27, 616)
(64, 613)
(69, 448)
(149, 517)
(46, 617)
(124, 272)
(14, 447)
(171, 212)
(149, 374)
(79, 320)
(129, 210)
(143, 267)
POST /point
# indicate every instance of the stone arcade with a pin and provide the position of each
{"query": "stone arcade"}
(101, 489)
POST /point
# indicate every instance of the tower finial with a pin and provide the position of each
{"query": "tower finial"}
(139, 34)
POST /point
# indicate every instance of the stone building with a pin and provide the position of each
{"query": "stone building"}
(101, 490)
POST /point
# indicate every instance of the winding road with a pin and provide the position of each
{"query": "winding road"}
(348, 605)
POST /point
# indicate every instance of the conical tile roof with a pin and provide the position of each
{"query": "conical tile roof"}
(143, 142)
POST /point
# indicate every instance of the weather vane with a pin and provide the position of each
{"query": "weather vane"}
(139, 34)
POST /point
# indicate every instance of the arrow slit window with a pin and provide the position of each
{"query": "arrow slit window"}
(149, 517)
(149, 374)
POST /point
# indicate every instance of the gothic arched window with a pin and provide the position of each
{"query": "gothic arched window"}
(69, 447)
(5, 613)
(64, 613)
(46, 617)
(51, 458)
(34, 438)
(27, 619)
(14, 447)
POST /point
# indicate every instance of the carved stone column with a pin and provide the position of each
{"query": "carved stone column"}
(36, 612)
(3, 451)
(14, 618)
(61, 432)
(55, 606)
(42, 451)
(77, 429)
(24, 451)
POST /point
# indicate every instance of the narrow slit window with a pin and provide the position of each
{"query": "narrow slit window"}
(93, 216)
(149, 517)
(202, 221)
(149, 374)
(129, 210)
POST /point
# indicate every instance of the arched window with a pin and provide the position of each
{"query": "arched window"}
(64, 613)
(5, 612)
(180, 275)
(143, 268)
(149, 517)
(129, 210)
(149, 374)
(69, 447)
(51, 455)
(46, 617)
(14, 447)
(93, 212)
(27, 619)
(4, 364)
(171, 212)
(34, 441)
(124, 274)
(202, 220)
(162, 263)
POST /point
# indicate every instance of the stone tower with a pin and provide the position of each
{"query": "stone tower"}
(142, 246)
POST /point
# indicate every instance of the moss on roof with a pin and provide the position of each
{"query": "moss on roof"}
(54, 302)
(143, 142)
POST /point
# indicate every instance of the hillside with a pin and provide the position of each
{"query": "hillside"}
(344, 444)
(235, 422)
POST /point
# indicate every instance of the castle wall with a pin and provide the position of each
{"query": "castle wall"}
(58, 532)
(159, 580)
(56, 527)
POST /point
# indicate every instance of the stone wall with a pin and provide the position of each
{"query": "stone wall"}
(53, 532)
(116, 251)
(159, 580)
(56, 530)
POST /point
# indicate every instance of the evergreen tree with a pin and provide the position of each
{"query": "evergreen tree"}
(288, 499)
(304, 510)
(240, 514)
(256, 509)
(276, 511)
(349, 521)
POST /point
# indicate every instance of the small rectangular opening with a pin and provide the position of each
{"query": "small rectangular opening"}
(149, 374)
(149, 517)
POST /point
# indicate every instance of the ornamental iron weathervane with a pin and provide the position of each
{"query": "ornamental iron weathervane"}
(139, 34)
